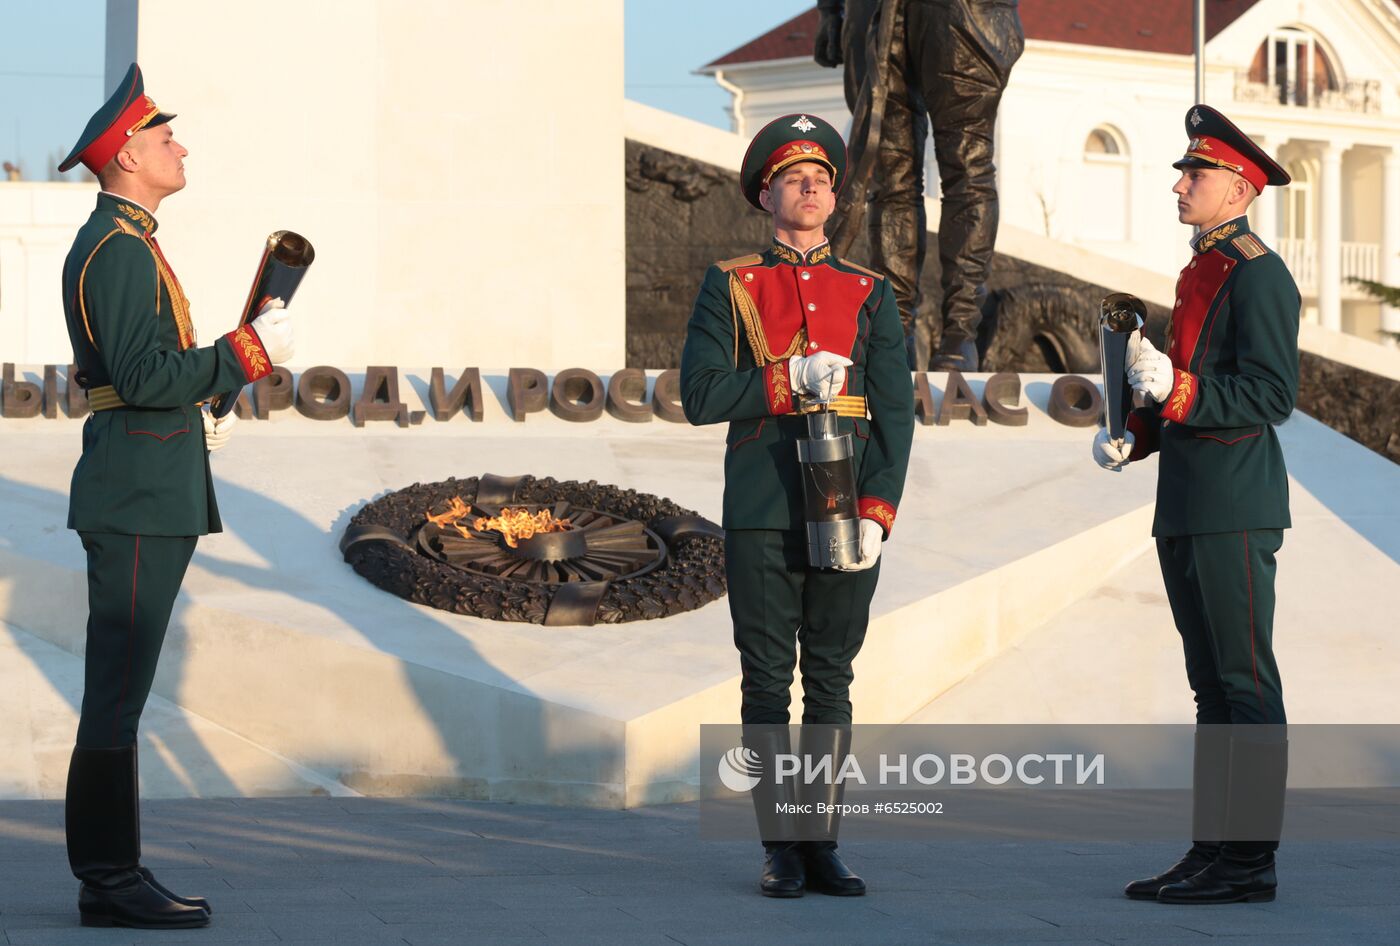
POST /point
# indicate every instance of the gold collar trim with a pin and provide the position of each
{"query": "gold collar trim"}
(138, 216)
(791, 255)
(1205, 242)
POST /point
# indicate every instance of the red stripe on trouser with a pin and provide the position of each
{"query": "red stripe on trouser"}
(1249, 583)
(130, 645)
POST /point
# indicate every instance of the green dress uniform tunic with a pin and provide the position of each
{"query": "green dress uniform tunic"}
(1222, 488)
(752, 314)
(142, 491)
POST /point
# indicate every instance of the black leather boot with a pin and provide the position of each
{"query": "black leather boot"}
(150, 878)
(1244, 871)
(784, 873)
(826, 872)
(1232, 878)
(104, 846)
(775, 806)
(1210, 779)
(1201, 856)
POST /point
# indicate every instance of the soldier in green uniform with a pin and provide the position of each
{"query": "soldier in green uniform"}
(1229, 374)
(767, 329)
(142, 491)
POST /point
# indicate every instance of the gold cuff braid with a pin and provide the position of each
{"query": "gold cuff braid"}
(104, 398)
(845, 405)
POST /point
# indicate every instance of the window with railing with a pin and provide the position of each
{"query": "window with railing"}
(1292, 67)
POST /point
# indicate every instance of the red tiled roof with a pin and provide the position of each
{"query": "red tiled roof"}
(788, 41)
(1150, 26)
(1157, 26)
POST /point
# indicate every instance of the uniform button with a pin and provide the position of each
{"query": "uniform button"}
(748, 277)
(1178, 303)
(1225, 268)
(813, 345)
(806, 275)
(811, 307)
(1193, 264)
(864, 281)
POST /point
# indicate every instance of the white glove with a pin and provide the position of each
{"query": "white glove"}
(1110, 455)
(274, 328)
(217, 430)
(871, 537)
(1149, 371)
(821, 375)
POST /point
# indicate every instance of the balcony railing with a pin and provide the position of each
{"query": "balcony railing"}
(1301, 257)
(1358, 95)
(1362, 260)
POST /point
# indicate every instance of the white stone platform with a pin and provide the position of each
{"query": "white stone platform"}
(285, 672)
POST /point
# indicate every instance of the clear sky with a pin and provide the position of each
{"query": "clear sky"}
(667, 40)
(51, 64)
(50, 75)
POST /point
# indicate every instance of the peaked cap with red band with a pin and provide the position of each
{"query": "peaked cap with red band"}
(787, 141)
(128, 111)
(1217, 143)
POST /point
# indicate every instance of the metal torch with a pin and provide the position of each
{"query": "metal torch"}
(285, 259)
(1120, 315)
(827, 459)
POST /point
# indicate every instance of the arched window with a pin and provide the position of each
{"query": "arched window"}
(1293, 63)
(1105, 187)
(1102, 141)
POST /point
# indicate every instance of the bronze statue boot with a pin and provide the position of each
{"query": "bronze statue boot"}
(1234, 877)
(1201, 856)
(956, 354)
(103, 826)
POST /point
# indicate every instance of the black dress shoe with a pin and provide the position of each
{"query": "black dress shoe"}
(1232, 878)
(137, 905)
(783, 873)
(827, 873)
(198, 902)
(1196, 860)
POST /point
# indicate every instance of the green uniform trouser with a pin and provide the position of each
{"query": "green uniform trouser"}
(778, 602)
(132, 584)
(1221, 589)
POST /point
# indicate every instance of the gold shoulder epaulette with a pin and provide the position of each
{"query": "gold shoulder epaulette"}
(1250, 246)
(856, 266)
(753, 259)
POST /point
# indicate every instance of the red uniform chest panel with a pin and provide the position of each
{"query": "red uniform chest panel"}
(1196, 289)
(824, 300)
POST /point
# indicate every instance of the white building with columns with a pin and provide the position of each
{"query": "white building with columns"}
(1094, 116)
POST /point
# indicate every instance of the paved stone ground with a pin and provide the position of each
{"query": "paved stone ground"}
(354, 871)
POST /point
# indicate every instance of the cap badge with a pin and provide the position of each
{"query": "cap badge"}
(1196, 118)
(803, 124)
